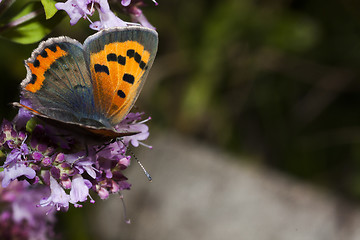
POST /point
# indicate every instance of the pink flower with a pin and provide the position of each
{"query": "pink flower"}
(77, 9)
(125, 2)
(15, 171)
(20, 218)
(37, 157)
(79, 189)
(58, 197)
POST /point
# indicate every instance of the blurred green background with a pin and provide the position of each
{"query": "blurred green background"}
(277, 81)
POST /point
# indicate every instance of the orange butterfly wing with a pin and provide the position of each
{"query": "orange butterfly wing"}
(119, 62)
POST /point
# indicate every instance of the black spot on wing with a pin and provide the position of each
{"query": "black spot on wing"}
(129, 78)
(33, 79)
(44, 54)
(111, 57)
(101, 68)
(130, 53)
(142, 65)
(121, 60)
(121, 94)
(63, 46)
(137, 57)
(36, 63)
(53, 48)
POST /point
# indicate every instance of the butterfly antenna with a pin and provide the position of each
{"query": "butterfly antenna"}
(126, 219)
(143, 168)
(140, 164)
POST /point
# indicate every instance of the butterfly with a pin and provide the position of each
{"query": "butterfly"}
(89, 88)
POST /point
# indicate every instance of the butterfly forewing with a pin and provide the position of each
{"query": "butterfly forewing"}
(119, 61)
(58, 83)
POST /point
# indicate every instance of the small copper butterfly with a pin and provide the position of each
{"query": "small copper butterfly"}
(89, 88)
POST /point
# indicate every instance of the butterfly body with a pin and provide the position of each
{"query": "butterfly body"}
(89, 88)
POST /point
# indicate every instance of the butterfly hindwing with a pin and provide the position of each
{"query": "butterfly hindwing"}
(85, 131)
(119, 60)
(58, 82)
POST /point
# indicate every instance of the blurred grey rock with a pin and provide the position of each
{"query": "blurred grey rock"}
(202, 193)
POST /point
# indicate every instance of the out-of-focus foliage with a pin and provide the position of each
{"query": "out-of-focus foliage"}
(27, 21)
(277, 80)
(49, 8)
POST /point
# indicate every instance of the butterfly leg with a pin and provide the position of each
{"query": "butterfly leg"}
(105, 145)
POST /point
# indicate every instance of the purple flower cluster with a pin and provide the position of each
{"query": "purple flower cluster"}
(77, 9)
(20, 218)
(40, 157)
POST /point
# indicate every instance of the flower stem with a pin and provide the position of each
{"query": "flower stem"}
(21, 20)
(4, 5)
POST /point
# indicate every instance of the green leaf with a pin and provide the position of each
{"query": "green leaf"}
(33, 29)
(31, 124)
(49, 7)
